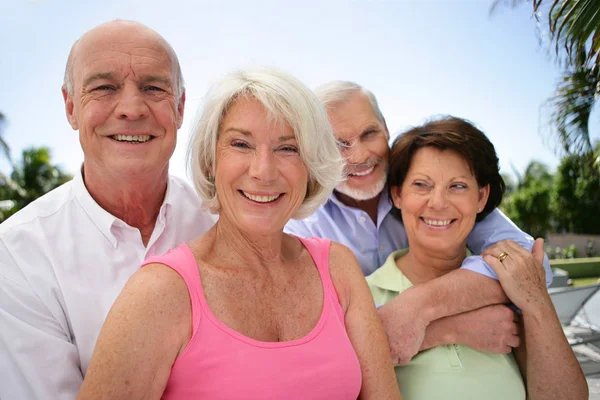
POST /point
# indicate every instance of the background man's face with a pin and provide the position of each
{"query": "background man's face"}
(124, 102)
(363, 140)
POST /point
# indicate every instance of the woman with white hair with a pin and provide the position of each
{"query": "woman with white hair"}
(246, 311)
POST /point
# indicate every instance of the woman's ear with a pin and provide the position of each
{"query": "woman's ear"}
(484, 194)
(396, 192)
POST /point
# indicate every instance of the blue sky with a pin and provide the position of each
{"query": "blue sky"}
(420, 58)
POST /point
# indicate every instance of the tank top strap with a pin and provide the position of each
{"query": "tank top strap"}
(319, 250)
(182, 260)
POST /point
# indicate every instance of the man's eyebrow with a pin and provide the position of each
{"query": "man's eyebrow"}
(157, 79)
(99, 76)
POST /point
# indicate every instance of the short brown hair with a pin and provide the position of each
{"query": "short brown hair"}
(460, 136)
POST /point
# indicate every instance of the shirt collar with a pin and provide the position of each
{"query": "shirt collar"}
(104, 220)
(388, 276)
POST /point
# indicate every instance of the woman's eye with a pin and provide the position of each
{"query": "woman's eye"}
(240, 145)
(289, 149)
(459, 186)
(420, 185)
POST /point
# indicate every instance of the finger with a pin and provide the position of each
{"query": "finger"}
(514, 341)
(494, 249)
(538, 250)
(495, 264)
(514, 329)
(515, 250)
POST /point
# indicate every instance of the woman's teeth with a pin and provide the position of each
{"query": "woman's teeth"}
(261, 199)
(435, 222)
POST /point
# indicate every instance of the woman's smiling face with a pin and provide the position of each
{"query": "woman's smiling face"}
(439, 200)
(260, 177)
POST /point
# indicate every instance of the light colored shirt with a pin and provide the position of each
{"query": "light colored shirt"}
(372, 243)
(63, 262)
(452, 371)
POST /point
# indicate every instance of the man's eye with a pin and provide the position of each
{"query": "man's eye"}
(154, 89)
(343, 144)
(368, 134)
(102, 88)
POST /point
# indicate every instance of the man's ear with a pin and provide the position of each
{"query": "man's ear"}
(180, 108)
(387, 132)
(69, 109)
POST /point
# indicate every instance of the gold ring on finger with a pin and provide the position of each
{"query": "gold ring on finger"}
(502, 256)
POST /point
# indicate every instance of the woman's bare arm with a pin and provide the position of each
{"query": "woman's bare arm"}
(146, 329)
(363, 326)
(549, 367)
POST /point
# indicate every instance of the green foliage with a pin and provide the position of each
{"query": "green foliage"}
(529, 205)
(31, 178)
(576, 197)
(558, 253)
(573, 27)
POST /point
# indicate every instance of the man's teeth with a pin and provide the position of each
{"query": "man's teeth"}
(435, 222)
(363, 173)
(261, 199)
(132, 138)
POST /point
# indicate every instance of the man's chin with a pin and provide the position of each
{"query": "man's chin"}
(361, 194)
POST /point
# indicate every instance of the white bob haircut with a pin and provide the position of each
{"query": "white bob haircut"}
(335, 92)
(285, 99)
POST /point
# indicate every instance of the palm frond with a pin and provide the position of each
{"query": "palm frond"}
(570, 107)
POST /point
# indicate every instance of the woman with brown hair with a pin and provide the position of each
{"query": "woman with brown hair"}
(444, 177)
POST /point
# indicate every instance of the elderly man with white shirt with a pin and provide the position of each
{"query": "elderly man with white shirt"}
(66, 257)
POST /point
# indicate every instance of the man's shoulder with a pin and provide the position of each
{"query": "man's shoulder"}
(312, 225)
(42, 208)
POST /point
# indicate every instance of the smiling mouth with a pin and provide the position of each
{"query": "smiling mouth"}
(437, 222)
(362, 173)
(261, 199)
(132, 138)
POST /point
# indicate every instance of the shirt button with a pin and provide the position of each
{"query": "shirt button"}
(381, 247)
(362, 219)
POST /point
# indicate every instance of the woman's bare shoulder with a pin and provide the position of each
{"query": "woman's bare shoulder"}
(155, 291)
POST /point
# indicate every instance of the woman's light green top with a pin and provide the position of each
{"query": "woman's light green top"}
(452, 371)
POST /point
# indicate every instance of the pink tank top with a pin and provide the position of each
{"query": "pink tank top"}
(220, 363)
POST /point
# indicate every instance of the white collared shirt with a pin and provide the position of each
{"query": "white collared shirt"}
(63, 262)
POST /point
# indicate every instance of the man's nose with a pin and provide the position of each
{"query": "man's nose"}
(355, 154)
(131, 103)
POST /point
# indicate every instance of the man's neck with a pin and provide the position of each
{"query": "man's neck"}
(369, 206)
(135, 201)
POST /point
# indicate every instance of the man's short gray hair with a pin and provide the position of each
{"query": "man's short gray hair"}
(285, 98)
(334, 92)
